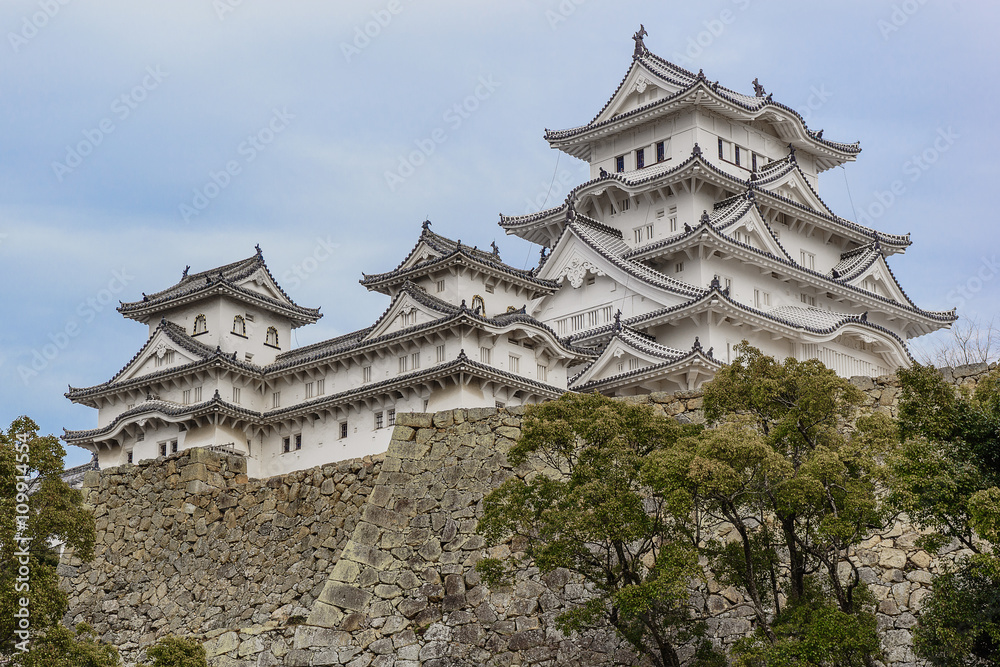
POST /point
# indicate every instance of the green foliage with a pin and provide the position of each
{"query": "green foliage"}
(949, 455)
(60, 647)
(55, 512)
(592, 510)
(946, 478)
(812, 632)
(799, 484)
(173, 651)
(960, 623)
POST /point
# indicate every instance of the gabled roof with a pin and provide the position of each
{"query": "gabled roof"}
(434, 252)
(231, 279)
(607, 244)
(821, 324)
(865, 257)
(541, 227)
(660, 361)
(165, 331)
(683, 88)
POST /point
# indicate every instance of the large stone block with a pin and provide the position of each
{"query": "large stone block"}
(345, 596)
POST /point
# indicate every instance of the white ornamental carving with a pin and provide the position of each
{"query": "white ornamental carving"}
(576, 270)
(160, 349)
(259, 278)
(640, 85)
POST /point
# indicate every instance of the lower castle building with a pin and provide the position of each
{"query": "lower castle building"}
(701, 226)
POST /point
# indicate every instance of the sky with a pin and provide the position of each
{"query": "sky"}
(139, 137)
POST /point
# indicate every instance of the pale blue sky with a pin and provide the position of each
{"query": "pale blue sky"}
(117, 114)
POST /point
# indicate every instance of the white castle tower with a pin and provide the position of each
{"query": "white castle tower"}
(701, 226)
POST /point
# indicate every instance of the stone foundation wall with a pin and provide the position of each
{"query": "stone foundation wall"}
(371, 563)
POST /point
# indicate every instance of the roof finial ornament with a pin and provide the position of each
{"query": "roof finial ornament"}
(696, 151)
(425, 225)
(709, 353)
(640, 48)
(697, 345)
(705, 219)
(835, 273)
(186, 269)
(618, 320)
(758, 89)
(715, 282)
(259, 252)
(864, 316)
(791, 153)
(463, 306)
(701, 75)
(496, 250)
(570, 209)
(819, 135)
(603, 173)
(687, 228)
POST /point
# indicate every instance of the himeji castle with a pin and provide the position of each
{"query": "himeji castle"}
(701, 226)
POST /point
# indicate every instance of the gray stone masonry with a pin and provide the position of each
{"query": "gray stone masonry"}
(370, 563)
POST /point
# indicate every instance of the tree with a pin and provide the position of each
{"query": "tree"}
(797, 479)
(173, 651)
(968, 341)
(61, 647)
(946, 478)
(38, 510)
(592, 510)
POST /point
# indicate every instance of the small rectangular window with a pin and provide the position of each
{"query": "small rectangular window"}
(678, 267)
(197, 394)
(248, 356)
(415, 360)
(163, 449)
(440, 353)
(440, 286)
(366, 374)
(542, 373)
(649, 232)
(808, 259)
(320, 387)
(659, 214)
(378, 420)
(489, 289)
(753, 161)
(513, 364)
(130, 456)
(640, 158)
(625, 204)
(637, 234)
(276, 399)
(761, 299)
(484, 354)
(236, 395)
(248, 317)
(286, 445)
(661, 153)
(343, 430)
(402, 364)
(390, 416)
(499, 404)
(309, 389)
(808, 299)
(620, 163)
(298, 441)
(173, 446)
(139, 437)
(722, 152)
(736, 154)
(186, 397)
